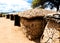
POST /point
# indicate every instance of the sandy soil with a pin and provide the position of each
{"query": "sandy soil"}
(10, 33)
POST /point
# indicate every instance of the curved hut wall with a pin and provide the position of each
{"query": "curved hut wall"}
(33, 27)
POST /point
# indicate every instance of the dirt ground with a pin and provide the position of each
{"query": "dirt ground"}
(12, 34)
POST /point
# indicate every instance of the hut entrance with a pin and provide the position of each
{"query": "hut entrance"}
(17, 20)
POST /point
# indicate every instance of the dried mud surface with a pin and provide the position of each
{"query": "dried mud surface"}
(12, 34)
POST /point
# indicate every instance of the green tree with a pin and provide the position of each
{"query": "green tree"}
(56, 3)
(36, 3)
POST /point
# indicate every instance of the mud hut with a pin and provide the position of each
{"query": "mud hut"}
(33, 22)
(7, 16)
(12, 16)
(1, 15)
(16, 20)
(52, 30)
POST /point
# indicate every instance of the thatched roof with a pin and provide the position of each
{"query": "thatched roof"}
(35, 12)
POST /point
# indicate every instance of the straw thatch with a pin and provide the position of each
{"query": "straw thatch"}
(35, 12)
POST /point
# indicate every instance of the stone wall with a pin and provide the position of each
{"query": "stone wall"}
(33, 27)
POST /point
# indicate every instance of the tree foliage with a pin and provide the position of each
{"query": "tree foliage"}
(36, 3)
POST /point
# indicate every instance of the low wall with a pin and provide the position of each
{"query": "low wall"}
(51, 33)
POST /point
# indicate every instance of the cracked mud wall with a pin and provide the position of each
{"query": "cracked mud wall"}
(51, 33)
(34, 27)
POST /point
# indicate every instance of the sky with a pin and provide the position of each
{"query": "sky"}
(19, 5)
(15, 5)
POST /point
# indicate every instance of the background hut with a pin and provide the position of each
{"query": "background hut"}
(16, 20)
(12, 16)
(7, 16)
(1, 15)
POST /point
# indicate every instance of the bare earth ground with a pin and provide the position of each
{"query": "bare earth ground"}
(10, 33)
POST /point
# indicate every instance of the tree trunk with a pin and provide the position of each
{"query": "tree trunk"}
(57, 7)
